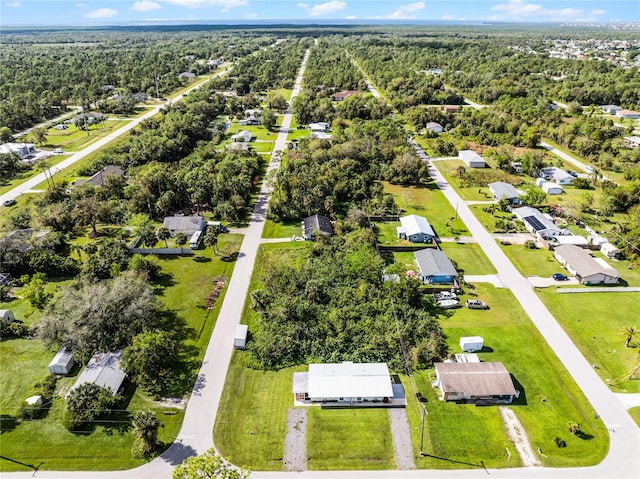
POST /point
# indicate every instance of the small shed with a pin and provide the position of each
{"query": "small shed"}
(34, 401)
(609, 250)
(551, 188)
(472, 159)
(435, 127)
(62, 362)
(471, 343)
(6, 316)
(240, 339)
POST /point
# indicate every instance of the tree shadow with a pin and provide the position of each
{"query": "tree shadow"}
(201, 259)
(230, 258)
(8, 423)
(583, 435)
(178, 453)
(164, 280)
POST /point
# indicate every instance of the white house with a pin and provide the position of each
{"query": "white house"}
(240, 339)
(632, 141)
(584, 267)
(552, 188)
(538, 223)
(435, 127)
(610, 109)
(557, 175)
(346, 383)
(471, 159)
(321, 126)
(609, 250)
(104, 370)
(628, 114)
(481, 383)
(242, 135)
(251, 117)
(416, 229)
(62, 362)
(23, 150)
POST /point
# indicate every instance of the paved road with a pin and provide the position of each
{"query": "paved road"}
(564, 156)
(36, 180)
(69, 114)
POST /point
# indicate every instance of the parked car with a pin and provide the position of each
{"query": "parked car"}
(58, 151)
(476, 304)
(573, 173)
(448, 303)
(444, 295)
(62, 126)
(10, 202)
(588, 168)
(560, 277)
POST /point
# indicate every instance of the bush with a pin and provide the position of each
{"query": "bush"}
(87, 403)
(15, 329)
(558, 441)
(530, 244)
(28, 412)
(582, 184)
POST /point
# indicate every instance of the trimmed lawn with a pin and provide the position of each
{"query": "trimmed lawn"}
(297, 134)
(488, 219)
(594, 321)
(75, 139)
(349, 439)
(28, 174)
(634, 412)
(549, 398)
(448, 169)
(427, 201)
(275, 229)
(183, 288)
(259, 132)
(532, 262)
(469, 257)
(285, 92)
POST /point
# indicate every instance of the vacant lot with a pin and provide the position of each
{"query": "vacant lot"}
(532, 262)
(469, 257)
(75, 139)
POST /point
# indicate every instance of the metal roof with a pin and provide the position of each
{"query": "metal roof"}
(184, 223)
(475, 379)
(104, 370)
(414, 224)
(503, 190)
(433, 262)
(317, 222)
(582, 262)
(349, 380)
(62, 358)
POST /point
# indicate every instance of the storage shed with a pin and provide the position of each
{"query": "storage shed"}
(240, 339)
(471, 343)
(551, 188)
(62, 362)
(472, 159)
(609, 250)
(6, 316)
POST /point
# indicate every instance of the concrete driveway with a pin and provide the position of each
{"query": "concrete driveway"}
(545, 282)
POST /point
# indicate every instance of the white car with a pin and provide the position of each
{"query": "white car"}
(448, 303)
(58, 151)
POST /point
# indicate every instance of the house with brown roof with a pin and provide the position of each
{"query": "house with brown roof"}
(587, 269)
(475, 382)
(343, 95)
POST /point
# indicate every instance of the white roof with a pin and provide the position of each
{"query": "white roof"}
(471, 339)
(104, 370)
(414, 224)
(241, 331)
(62, 358)
(570, 239)
(550, 186)
(349, 379)
(633, 139)
(503, 190)
(470, 156)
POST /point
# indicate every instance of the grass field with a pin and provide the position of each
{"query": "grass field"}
(532, 262)
(75, 139)
(594, 321)
(274, 229)
(549, 397)
(635, 414)
(349, 439)
(259, 132)
(469, 257)
(30, 173)
(183, 288)
(448, 169)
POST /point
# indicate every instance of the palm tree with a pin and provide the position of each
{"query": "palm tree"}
(164, 234)
(180, 240)
(77, 249)
(630, 333)
(145, 429)
(211, 239)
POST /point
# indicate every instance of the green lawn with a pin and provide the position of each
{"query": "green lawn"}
(75, 139)
(275, 229)
(30, 173)
(349, 439)
(285, 92)
(549, 397)
(448, 169)
(488, 219)
(634, 412)
(532, 262)
(594, 321)
(427, 201)
(259, 132)
(469, 257)
(183, 288)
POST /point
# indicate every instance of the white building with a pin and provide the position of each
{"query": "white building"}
(416, 229)
(62, 362)
(23, 150)
(610, 109)
(472, 159)
(435, 127)
(345, 382)
(240, 339)
(320, 126)
(538, 223)
(552, 188)
(471, 343)
(585, 267)
(628, 114)
(242, 135)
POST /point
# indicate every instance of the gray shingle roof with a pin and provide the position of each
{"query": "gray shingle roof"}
(475, 379)
(582, 262)
(503, 190)
(433, 262)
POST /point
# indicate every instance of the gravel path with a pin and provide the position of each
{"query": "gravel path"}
(295, 444)
(519, 437)
(401, 438)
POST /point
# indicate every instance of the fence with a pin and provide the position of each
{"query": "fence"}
(614, 289)
(161, 251)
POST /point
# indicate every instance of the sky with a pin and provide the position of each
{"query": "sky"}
(110, 12)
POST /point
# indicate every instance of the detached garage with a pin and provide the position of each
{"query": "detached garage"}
(62, 362)
(472, 159)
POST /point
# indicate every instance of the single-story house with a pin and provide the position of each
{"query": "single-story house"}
(186, 224)
(558, 175)
(632, 141)
(242, 135)
(538, 223)
(585, 267)
(321, 126)
(6, 316)
(570, 239)
(505, 191)
(320, 135)
(23, 150)
(416, 229)
(251, 117)
(450, 108)
(238, 146)
(22, 240)
(316, 224)
(186, 75)
(628, 114)
(345, 382)
(343, 95)
(610, 109)
(609, 250)
(104, 370)
(62, 362)
(551, 188)
(471, 159)
(435, 267)
(473, 382)
(140, 96)
(435, 127)
(99, 178)
(89, 118)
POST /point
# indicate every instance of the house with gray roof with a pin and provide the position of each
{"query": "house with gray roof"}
(472, 159)
(587, 269)
(186, 224)
(98, 178)
(475, 382)
(505, 191)
(435, 127)
(103, 369)
(312, 225)
(23, 150)
(242, 135)
(435, 267)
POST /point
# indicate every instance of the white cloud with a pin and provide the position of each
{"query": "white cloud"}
(13, 4)
(406, 12)
(156, 19)
(521, 10)
(323, 8)
(145, 6)
(350, 17)
(225, 4)
(81, 5)
(102, 13)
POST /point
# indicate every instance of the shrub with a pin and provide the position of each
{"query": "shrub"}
(558, 441)
(530, 244)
